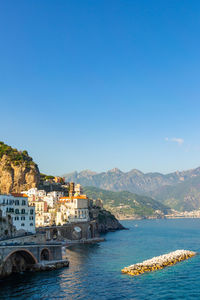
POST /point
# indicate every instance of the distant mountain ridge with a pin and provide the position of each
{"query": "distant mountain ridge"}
(179, 190)
(134, 181)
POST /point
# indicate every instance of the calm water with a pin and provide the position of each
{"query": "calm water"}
(94, 271)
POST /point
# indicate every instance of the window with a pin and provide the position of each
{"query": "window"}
(31, 224)
(23, 202)
(31, 212)
(16, 202)
(23, 218)
(23, 211)
(17, 211)
(22, 224)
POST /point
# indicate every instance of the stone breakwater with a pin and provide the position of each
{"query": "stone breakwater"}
(159, 262)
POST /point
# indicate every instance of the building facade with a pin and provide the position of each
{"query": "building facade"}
(77, 208)
(16, 206)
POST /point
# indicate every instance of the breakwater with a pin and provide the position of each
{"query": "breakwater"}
(159, 262)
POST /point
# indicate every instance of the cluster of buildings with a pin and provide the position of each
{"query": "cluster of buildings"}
(54, 208)
(185, 214)
(38, 208)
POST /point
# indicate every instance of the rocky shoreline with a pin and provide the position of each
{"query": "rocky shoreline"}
(106, 221)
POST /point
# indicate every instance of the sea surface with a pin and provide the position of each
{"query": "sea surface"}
(94, 271)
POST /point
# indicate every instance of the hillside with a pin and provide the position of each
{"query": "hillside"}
(18, 171)
(182, 196)
(127, 205)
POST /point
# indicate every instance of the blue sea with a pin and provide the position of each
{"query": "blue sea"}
(95, 270)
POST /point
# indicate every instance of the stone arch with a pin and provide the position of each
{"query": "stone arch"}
(45, 254)
(24, 252)
(18, 261)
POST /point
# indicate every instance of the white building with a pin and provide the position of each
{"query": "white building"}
(77, 208)
(52, 198)
(35, 192)
(23, 215)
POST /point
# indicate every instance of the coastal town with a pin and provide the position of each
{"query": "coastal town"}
(37, 208)
(45, 221)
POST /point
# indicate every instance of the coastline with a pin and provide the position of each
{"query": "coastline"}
(165, 217)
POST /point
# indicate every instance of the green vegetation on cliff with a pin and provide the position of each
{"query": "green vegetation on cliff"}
(44, 177)
(126, 204)
(15, 156)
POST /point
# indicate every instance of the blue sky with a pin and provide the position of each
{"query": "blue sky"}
(101, 84)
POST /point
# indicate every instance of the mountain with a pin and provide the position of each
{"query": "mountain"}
(179, 190)
(184, 196)
(127, 205)
(18, 172)
(134, 181)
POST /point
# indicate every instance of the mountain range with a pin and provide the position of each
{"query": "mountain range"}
(179, 190)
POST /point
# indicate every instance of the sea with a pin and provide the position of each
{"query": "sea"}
(95, 270)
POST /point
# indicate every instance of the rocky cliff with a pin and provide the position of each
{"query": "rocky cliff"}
(18, 172)
(105, 220)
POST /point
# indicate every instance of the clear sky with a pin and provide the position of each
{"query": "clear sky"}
(101, 84)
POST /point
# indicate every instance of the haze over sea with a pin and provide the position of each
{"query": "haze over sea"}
(94, 271)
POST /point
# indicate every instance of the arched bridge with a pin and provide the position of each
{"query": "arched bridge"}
(71, 231)
(19, 258)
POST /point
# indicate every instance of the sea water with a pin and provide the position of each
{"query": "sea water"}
(95, 270)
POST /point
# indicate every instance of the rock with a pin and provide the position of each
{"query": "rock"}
(105, 220)
(18, 172)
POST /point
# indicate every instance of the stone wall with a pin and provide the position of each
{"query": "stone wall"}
(71, 231)
(33, 238)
